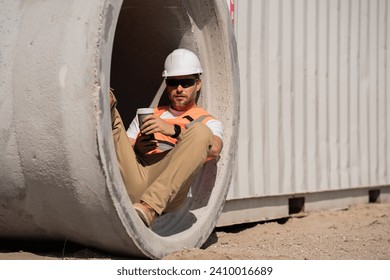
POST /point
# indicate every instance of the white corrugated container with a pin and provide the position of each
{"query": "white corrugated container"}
(315, 113)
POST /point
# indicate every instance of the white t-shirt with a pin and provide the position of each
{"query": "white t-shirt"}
(215, 125)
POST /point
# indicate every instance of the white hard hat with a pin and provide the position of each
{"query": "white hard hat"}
(181, 62)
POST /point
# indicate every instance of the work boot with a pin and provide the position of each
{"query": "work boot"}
(146, 213)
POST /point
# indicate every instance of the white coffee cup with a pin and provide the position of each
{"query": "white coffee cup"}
(142, 113)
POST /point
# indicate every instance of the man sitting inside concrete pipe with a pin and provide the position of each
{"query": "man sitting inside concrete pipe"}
(160, 157)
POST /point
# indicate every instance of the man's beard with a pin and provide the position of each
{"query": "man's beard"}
(182, 105)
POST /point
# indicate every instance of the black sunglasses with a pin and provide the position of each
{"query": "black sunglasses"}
(185, 83)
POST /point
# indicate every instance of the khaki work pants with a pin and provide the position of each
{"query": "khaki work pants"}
(163, 180)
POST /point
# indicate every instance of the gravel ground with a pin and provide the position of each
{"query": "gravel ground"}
(358, 232)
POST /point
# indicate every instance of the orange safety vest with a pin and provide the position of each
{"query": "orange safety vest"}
(185, 120)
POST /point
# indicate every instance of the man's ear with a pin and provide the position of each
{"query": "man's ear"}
(198, 85)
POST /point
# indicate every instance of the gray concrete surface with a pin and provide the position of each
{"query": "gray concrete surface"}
(58, 173)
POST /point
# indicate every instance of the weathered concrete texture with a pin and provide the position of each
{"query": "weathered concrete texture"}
(58, 173)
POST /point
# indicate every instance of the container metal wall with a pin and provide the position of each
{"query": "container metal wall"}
(315, 113)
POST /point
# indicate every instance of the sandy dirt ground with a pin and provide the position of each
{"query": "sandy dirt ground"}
(358, 232)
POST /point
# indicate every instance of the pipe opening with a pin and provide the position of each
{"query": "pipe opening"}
(146, 32)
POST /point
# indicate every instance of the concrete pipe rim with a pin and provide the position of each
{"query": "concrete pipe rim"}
(206, 216)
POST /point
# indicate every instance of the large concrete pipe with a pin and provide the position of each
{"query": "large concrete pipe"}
(59, 178)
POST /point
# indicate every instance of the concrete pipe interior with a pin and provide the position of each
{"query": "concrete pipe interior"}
(146, 32)
(59, 178)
